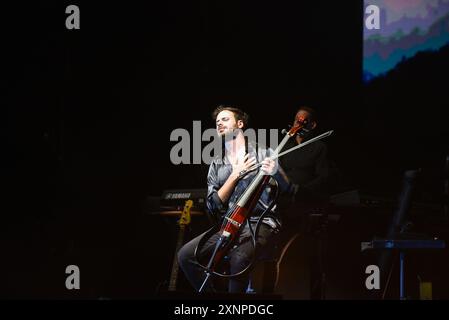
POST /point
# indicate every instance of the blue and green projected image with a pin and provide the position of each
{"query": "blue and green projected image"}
(406, 28)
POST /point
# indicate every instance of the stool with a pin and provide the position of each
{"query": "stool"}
(264, 277)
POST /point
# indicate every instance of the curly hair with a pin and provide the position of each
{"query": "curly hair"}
(238, 113)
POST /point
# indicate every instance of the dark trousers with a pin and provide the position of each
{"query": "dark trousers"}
(238, 257)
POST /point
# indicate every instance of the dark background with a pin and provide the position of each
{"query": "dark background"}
(89, 114)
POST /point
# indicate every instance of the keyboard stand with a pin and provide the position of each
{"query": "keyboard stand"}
(402, 245)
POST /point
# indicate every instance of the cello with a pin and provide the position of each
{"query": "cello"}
(237, 216)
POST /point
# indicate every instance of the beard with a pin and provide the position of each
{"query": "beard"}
(306, 134)
(229, 133)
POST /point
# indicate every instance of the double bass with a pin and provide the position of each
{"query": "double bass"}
(234, 220)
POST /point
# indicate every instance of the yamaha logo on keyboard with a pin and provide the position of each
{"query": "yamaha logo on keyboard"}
(178, 195)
